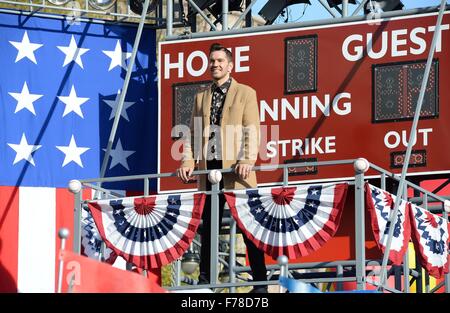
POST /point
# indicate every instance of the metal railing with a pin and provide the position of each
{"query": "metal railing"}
(358, 272)
(344, 17)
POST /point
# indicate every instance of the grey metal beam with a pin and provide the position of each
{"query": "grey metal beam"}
(338, 9)
(215, 225)
(106, 191)
(63, 234)
(436, 209)
(446, 276)
(232, 264)
(406, 256)
(199, 11)
(244, 14)
(228, 170)
(339, 274)
(359, 7)
(285, 176)
(283, 262)
(411, 140)
(327, 7)
(169, 17)
(146, 187)
(396, 177)
(260, 283)
(383, 181)
(77, 222)
(377, 284)
(344, 8)
(360, 232)
(427, 282)
(121, 22)
(177, 278)
(224, 15)
(300, 25)
(40, 6)
(308, 265)
(123, 93)
(437, 287)
(418, 200)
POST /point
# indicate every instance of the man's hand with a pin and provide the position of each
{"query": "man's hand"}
(243, 170)
(185, 173)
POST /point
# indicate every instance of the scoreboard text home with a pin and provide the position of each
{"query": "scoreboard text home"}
(325, 93)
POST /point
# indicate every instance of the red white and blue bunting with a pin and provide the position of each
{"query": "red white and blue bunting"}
(429, 232)
(431, 237)
(91, 241)
(292, 221)
(149, 231)
(380, 204)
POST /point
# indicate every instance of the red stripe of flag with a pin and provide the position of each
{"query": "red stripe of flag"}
(9, 238)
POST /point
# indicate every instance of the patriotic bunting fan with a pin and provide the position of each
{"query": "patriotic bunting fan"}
(430, 235)
(91, 240)
(380, 204)
(149, 231)
(292, 221)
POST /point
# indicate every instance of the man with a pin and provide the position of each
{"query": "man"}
(229, 113)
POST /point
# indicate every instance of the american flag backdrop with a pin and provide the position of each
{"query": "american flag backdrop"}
(59, 87)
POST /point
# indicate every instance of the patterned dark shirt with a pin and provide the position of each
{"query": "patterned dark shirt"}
(219, 94)
(218, 99)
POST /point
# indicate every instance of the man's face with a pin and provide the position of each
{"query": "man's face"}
(219, 65)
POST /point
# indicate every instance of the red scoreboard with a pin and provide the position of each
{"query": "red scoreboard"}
(330, 92)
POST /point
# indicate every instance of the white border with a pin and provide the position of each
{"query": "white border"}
(268, 33)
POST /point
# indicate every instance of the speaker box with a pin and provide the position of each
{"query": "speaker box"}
(183, 101)
(273, 8)
(300, 64)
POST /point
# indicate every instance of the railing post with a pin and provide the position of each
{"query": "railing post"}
(101, 257)
(445, 209)
(63, 234)
(176, 273)
(406, 256)
(232, 259)
(339, 274)
(383, 181)
(75, 188)
(214, 252)
(284, 263)
(146, 187)
(285, 176)
(427, 276)
(406, 271)
(360, 165)
(427, 282)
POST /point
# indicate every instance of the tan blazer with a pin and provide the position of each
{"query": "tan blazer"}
(239, 131)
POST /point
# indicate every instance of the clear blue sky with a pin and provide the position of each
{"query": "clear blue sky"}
(317, 11)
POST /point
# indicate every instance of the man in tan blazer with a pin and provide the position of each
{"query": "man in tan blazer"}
(224, 134)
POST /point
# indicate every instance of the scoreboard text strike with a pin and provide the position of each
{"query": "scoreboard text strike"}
(325, 93)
